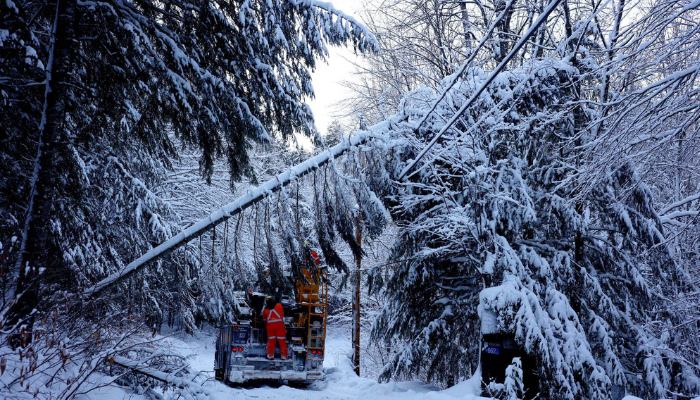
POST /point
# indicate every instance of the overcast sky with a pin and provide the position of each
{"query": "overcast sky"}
(327, 77)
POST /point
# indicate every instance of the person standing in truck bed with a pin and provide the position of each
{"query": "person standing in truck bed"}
(273, 315)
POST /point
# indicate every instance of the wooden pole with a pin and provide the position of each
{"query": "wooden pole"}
(356, 304)
(356, 308)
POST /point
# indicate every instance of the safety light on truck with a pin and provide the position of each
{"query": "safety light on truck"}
(235, 349)
(240, 349)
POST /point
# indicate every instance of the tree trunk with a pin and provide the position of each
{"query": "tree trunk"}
(502, 31)
(438, 31)
(467, 28)
(41, 254)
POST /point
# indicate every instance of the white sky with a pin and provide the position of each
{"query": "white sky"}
(327, 77)
(327, 84)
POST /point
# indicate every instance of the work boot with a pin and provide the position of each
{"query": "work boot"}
(270, 358)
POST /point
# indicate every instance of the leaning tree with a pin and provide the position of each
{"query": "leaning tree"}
(95, 93)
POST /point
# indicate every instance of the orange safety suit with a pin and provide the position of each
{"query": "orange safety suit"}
(274, 320)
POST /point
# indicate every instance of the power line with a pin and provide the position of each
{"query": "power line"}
(540, 20)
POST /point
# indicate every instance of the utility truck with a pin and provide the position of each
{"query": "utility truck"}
(241, 347)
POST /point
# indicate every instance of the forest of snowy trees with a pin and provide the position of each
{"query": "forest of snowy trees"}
(566, 189)
(535, 161)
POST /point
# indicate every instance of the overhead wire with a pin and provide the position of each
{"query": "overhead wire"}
(523, 40)
(465, 65)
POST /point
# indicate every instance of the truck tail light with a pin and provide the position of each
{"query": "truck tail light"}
(235, 349)
(240, 349)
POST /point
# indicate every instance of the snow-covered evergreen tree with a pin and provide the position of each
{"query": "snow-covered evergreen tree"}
(91, 92)
(514, 388)
(501, 216)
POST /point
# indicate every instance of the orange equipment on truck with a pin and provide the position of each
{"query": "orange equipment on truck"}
(241, 348)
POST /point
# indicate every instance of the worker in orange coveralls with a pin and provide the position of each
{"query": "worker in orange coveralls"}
(273, 315)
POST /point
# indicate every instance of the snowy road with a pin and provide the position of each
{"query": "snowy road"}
(341, 383)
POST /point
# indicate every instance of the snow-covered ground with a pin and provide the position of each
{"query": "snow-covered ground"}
(341, 382)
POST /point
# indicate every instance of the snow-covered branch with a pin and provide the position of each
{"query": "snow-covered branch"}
(240, 204)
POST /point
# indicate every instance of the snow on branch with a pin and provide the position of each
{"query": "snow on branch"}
(670, 218)
(240, 204)
(523, 40)
(679, 203)
(169, 378)
(324, 5)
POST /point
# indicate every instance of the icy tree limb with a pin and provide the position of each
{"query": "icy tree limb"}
(523, 40)
(169, 378)
(240, 204)
(670, 217)
(464, 66)
(679, 203)
(324, 5)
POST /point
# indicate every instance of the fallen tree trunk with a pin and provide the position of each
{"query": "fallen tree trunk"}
(238, 205)
(180, 382)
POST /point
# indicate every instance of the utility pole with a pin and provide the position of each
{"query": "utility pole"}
(358, 280)
(356, 304)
